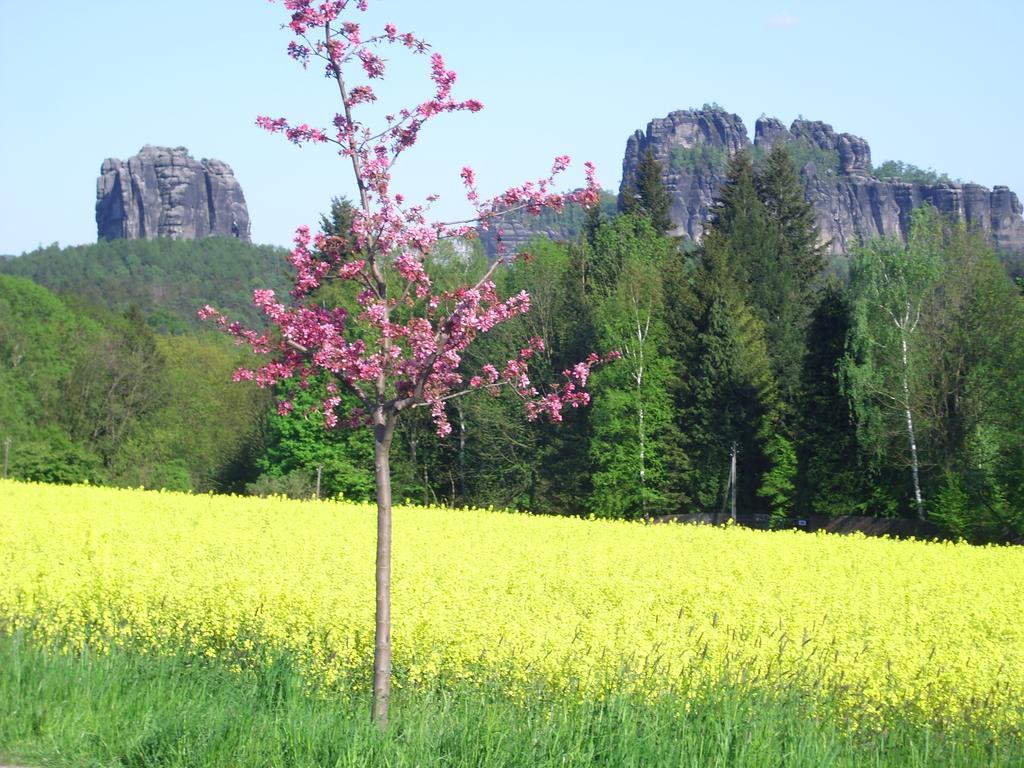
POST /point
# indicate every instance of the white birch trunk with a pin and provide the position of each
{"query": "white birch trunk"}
(914, 466)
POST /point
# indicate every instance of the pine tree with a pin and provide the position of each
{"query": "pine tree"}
(783, 195)
(742, 219)
(829, 477)
(728, 394)
(646, 194)
(772, 242)
(338, 221)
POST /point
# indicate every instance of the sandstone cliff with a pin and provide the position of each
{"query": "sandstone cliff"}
(851, 204)
(164, 192)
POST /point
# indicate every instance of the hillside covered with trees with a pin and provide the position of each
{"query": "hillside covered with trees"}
(895, 393)
(167, 279)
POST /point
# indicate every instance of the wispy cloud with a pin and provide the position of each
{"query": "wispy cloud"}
(783, 21)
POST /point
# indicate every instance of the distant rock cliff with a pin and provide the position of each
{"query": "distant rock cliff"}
(851, 205)
(164, 192)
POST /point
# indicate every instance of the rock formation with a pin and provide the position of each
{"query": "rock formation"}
(512, 233)
(851, 204)
(164, 192)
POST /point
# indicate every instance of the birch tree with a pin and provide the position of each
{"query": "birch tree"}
(890, 286)
(635, 448)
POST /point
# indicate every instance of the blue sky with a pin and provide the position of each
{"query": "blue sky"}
(931, 83)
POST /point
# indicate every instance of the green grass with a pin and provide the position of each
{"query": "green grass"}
(128, 710)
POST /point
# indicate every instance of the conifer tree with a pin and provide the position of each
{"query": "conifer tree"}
(557, 464)
(646, 194)
(743, 220)
(829, 477)
(780, 189)
(729, 394)
(338, 221)
(772, 241)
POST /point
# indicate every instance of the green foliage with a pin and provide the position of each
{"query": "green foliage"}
(729, 342)
(973, 331)
(115, 384)
(894, 170)
(37, 334)
(780, 189)
(297, 484)
(203, 435)
(338, 221)
(493, 457)
(635, 449)
(778, 485)
(992, 480)
(889, 285)
(783, 272)
(297, 444)
(52, 458)
(936, 333)
(831, 481)
(169, 280)
(700, 158)
(122, 708)
(805, 155)
(538, 466)
(953, 508)
(88, 394)
(41, 343)
(726, 393)
(646, 194)
(759, 269)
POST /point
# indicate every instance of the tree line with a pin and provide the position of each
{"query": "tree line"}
(92, 395)
(895, 393)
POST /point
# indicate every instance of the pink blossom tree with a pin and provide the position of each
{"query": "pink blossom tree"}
(403, 348)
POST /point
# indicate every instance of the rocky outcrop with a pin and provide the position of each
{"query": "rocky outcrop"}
(512, 232)
(164, 192)
(515, 233)
(692, 147)
(851, 204)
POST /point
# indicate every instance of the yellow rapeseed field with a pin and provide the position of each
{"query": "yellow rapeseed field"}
(930, 631)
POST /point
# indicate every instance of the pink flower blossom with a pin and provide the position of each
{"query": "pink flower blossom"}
(362, 94)
(411, 350)
(273, 125)
(373, 64)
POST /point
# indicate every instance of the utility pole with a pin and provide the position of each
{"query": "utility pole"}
(319, 470)
(7, 450)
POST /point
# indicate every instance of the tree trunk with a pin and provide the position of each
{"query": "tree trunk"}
(638, 376)
(462, 452)
(732, 484)
(383, 431)
(914, 471)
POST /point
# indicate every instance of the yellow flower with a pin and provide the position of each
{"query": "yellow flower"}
(881, 628)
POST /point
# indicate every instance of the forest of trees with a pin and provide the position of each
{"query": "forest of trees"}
(896, 393)
(168, 279)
